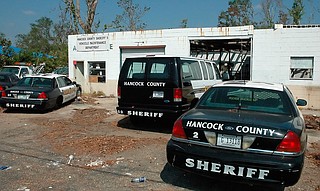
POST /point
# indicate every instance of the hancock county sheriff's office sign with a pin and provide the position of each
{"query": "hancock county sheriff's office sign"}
(92, 43)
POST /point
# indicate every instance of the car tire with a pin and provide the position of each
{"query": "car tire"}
(79, 92)
(59, 102)
(135, 120)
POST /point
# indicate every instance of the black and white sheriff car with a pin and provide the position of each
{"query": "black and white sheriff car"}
(242, 131)
(40, 92)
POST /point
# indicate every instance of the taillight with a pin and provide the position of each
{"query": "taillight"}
(290, 143)
(42, 95)
(3, 93)
(177, 94)
(119, 92)
(178, 130)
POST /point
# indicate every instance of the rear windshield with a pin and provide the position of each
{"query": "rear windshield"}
(158, 68)
(14, 70)
(252, 99)
(36, 82)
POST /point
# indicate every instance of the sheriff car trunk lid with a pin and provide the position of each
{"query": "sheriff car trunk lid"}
(260, 130)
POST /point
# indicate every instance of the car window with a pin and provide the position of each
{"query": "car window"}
(35, 82)
(191, 70)
(159, 70)
(204, 70)
(3, 78)
(14, 70)
(136, 70)
(13, 78)
(67, 81)
(24, 70)
(61, 82)
(253, 99)
(210, 70)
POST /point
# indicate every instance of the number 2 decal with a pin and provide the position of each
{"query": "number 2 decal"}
(195, 135)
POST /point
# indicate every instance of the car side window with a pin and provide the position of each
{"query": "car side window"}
(67, 81)
(136, 70)
(210, 70)
(191, 70)
(13, 78)
(61, 82)
(204, 70)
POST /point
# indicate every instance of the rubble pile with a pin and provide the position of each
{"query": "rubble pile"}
(312, 122)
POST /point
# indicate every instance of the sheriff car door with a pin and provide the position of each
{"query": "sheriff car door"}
(67, 88)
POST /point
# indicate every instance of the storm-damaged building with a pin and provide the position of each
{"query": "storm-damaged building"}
(288, 54)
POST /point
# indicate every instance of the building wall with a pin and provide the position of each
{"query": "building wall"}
(176, 42)
(272, 50)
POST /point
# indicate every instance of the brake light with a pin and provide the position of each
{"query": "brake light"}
(119, 92)
(42, 95)
(3, 93)
(290, 143)
(178, 130)
(177, 94)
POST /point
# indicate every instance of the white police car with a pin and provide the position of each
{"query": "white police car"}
(41, 92)
(242, 131)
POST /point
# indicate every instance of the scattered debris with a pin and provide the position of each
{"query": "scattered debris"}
(5, 167)
(98, 162)
(71, 157)
(23, 188)
(312, 122)
(140, 179)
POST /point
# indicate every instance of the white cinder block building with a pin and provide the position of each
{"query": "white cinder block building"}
(286, 54)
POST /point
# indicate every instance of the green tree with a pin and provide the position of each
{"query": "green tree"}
(40, 37)
(239, 13)
(46, 42)
(184, 23)
(131, 17)
(7, 51)
(297, 11)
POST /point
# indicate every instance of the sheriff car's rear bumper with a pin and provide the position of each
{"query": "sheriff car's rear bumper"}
(152, 112)
(24, 104)
(252, 168)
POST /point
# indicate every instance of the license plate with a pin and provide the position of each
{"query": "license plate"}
(23, 96)
(229, 141)
(158, 94)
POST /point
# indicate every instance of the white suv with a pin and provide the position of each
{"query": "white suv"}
(19, 71)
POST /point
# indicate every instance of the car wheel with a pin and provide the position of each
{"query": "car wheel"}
(59, 102)
(78, 92)
(135, 120)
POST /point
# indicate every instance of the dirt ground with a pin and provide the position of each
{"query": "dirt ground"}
(86, 145)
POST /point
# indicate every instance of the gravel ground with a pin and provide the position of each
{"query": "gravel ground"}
(87, 146)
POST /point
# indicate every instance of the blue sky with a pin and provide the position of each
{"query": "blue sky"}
(17, 15)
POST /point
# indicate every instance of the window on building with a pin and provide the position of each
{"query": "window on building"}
(97, 72)
(301, 68)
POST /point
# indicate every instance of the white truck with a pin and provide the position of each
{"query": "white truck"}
(21, 70)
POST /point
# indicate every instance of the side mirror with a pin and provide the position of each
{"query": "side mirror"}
(194, 102)
(301, 102)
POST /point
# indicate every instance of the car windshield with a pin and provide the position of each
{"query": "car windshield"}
(3, 78)
(35, 82)
(251, 99)
(14, 70)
